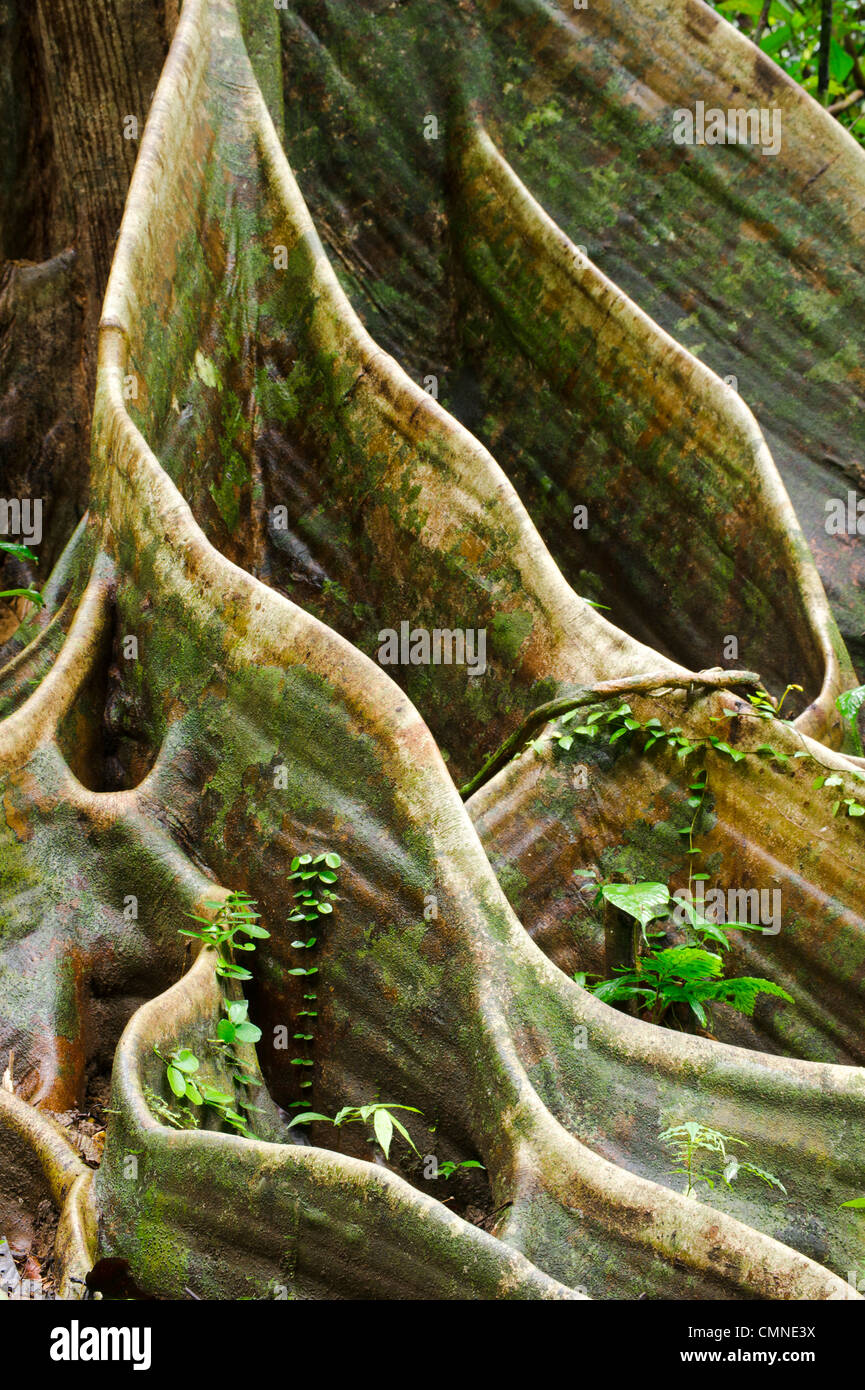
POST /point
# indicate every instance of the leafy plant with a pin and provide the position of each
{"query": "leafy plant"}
(181, 1069)
(689, 1140)
(690, 973)
(447, 1169)
(763, 704)
(848, 704)
(684, 975)
(378, 1115)
(826, 59)
(621, 724)
(235, 916)
(236, 1027)
(223, 1102)
(20, 552)
(314, 900)
(854, 807)
(643, 901)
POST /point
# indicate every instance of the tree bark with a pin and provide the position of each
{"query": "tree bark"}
(202, 699)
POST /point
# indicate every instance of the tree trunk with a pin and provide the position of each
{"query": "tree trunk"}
(297, 450)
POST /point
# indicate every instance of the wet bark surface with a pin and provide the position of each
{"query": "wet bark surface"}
(268, 488)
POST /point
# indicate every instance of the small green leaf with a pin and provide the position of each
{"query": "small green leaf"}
(383, 1126)
(247, 1033)
(643, 901)
(232, 972)
(177, 1081)
(32, 594)
(21, 552)
(185, 1060)
(213, 1096)
(840, 64)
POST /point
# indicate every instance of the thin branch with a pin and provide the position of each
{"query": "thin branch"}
(842, 105)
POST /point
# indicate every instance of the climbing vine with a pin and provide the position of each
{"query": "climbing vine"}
(623, 724)
(235, 917)
(314, 901)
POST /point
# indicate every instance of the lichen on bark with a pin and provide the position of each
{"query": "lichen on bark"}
(200, 700)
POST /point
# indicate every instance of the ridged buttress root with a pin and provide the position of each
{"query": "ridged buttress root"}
(200, 702)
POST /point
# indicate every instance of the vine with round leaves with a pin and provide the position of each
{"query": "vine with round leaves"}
(314, 900)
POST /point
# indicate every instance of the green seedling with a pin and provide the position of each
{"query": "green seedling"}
(447, 1169)
(21, 552)
(235, 917)
(689, 1140)
(377, 1115)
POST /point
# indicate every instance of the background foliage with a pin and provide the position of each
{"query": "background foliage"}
(790, 33)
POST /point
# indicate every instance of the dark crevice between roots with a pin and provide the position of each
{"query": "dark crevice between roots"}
(104, 736)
